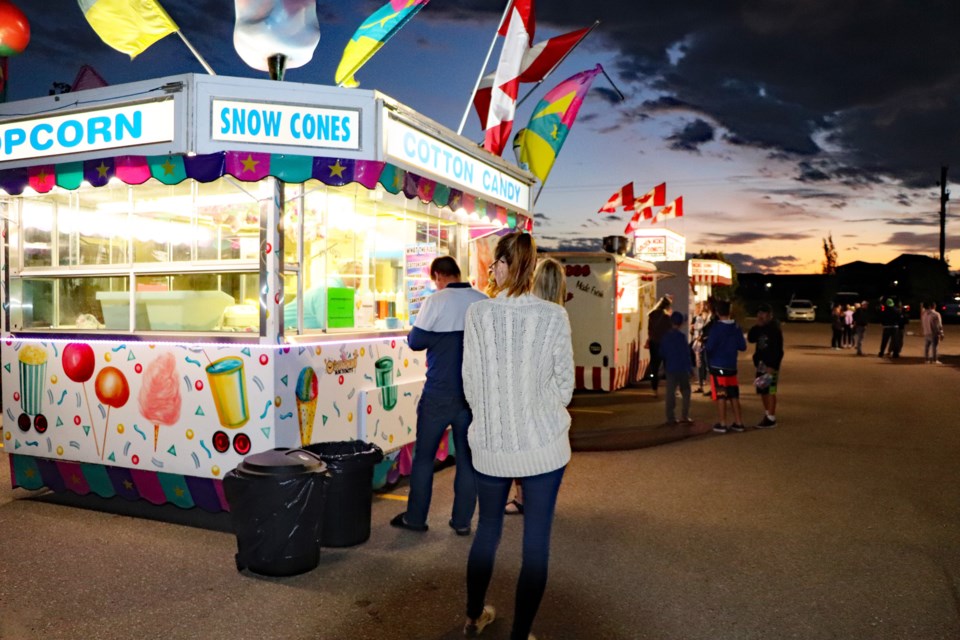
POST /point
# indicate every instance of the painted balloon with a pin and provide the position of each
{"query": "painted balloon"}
(78, 361)
(14, 29)
(112, 388)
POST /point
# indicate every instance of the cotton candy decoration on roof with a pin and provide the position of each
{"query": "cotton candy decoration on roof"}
(267, 28)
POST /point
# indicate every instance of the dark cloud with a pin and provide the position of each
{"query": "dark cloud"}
(749, 237)
(692, 136)
(878, 81)
(746, 263)
(909, 241)
(541, 216)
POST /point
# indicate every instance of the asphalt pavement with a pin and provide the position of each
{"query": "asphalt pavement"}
(841, 522)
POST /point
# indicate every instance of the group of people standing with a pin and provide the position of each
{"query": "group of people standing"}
(500, 373)
(715, 343)
(849, 326)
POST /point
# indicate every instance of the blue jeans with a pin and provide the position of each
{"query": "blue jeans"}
(539, 502)
(434, 415)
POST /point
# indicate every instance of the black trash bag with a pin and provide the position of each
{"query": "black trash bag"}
(349, 499)
(276, 507)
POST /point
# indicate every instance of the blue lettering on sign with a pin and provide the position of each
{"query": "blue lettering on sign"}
(498, 185)
(320, 127)
(254, 122)
(73, 132)
(35, 141)
(439, 159)
(70, 126)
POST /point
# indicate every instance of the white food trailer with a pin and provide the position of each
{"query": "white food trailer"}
(608, 297)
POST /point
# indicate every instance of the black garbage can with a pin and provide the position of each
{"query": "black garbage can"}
(276, 506)
(349, 498)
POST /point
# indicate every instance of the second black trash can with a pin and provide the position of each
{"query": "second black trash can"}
(276, 507)
(349, 498)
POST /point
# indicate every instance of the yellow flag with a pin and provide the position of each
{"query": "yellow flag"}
(130, 26)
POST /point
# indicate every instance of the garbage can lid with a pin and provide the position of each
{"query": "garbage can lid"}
(285, 462)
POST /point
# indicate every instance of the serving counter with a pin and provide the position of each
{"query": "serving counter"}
(194, 273)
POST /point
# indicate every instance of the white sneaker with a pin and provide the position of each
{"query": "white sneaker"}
(475, 628)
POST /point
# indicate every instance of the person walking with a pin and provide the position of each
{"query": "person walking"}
(518, 377)
(676, 364)
(860, 322)
(438, 329)
(932, 325)
(767, 356)
(725, 341)
(658, 323)
(549, 283)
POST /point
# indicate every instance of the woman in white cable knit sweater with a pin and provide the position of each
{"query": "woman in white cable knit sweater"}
(518, 377)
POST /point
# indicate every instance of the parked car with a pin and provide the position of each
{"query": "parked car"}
(950, 309)
(801, 311)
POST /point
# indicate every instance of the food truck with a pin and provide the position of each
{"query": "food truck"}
(608, 297)
(198, 268)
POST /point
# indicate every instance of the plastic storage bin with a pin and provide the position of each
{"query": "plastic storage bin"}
(349, 497)
(276, 506)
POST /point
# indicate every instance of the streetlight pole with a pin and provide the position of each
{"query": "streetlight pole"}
(944, 196)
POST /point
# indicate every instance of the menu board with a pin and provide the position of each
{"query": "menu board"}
(417, 260)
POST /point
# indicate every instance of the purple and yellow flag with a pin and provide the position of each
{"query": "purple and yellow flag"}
(373, 34)
(130, 26)
(551, 122)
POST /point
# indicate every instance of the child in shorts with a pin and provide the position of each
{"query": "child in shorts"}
(725, 343)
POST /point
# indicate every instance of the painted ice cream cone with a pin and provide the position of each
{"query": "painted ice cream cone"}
(307, 412)
(306, 403)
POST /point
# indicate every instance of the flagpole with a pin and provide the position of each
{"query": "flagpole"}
(486, 61)
(196, 54)
(623, 98)
(559, 62)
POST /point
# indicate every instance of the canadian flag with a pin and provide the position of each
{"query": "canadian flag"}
(518, 29)
(622, 198)
(646, 213)
(538, 62)
(672, 210)
(656, 197)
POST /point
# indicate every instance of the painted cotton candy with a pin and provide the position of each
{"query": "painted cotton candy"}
(160, 391)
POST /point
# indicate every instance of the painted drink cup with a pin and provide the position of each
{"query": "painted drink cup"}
(388, 391)
(32, 380)
(229, 388)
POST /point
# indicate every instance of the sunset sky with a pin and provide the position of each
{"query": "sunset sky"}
(778, 121)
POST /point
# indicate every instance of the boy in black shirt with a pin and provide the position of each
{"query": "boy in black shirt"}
(768, 337)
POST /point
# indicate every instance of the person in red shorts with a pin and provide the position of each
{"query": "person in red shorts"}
(723, 346)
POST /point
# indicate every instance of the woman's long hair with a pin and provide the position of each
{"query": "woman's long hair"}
(550, 281)
(519, 251)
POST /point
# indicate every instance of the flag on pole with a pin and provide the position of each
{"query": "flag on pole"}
(551, 122)
(643, 206)
(672, 210)
(656, 197)
(538, 62)
(370, 36)
(129, 26)
(622, 198)
(518, 31)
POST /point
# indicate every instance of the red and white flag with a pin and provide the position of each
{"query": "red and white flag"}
(645, 213)
(518, 31)
(656, 197)
(672, 210)
(622, 198)
(538, 62)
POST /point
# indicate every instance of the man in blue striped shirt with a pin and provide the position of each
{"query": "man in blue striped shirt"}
(439, 330)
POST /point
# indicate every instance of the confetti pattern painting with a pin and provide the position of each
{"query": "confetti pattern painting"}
(189, 411)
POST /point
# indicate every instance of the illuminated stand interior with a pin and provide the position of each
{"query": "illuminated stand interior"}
(161, 237)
